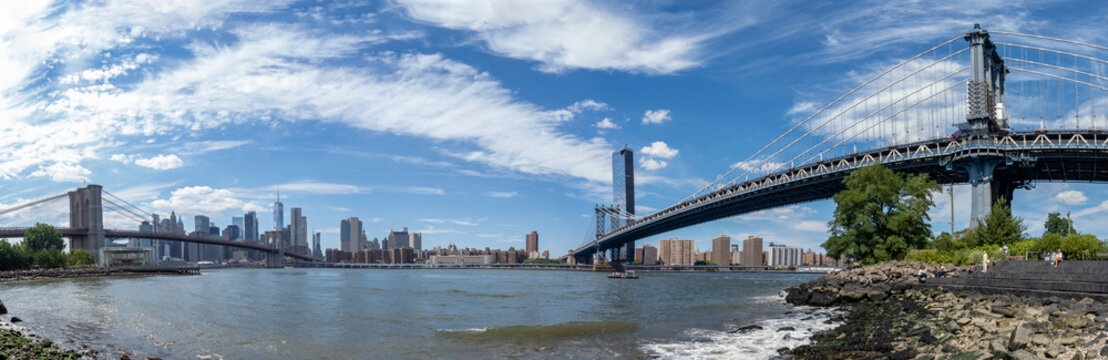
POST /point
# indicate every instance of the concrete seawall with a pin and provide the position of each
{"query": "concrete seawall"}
(1070, 279)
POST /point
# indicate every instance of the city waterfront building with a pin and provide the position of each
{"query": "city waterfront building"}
(415, 240)
(623, 192)
(126, 256)
(533, 244)
(752, 252)
(649, 255)
(677, 252)
(278, 213)
(781, 255)
(241, 223)
(317, 253)
(250, 231)
(398, 239)
(202, 224)
(460, 259)
(349, 232)
(721, 250)
(298, 231)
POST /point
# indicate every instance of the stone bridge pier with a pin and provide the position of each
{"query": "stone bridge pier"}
(86, 212)
(275, 260)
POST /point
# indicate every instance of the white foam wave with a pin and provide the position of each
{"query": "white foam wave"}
(470, 330)
(753, 344)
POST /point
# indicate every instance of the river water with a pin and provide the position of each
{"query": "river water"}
(418, 314)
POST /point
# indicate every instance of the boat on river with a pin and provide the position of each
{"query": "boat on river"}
(629, 274)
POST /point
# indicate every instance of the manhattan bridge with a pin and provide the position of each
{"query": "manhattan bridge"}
(992, 109)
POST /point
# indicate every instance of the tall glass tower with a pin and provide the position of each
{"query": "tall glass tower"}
(623, 179)
(278, 214)
(623, 190)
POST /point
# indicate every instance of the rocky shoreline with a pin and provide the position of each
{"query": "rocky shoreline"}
(890, 317)
(22, 275)
(14, 344)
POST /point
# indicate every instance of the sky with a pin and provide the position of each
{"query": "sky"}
(473, 122)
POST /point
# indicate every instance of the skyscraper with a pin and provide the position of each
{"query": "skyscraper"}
(677, 251)
(278, 213)
(721, 250)
(623, 191)
(317, 252)
(350, 231)
(202, 224)
(415, 240)
(299, 231)
(250, 231)
(533, 244)
(398, 239)
(238, 221)
(752, 251)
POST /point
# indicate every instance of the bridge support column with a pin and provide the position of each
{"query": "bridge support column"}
(86, 212)
(275, 259)
(985, 188)
(628, 250)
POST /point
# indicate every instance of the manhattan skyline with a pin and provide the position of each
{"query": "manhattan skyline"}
(464, 126)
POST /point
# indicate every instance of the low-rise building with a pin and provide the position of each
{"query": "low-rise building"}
(461, 259)
(126, 256)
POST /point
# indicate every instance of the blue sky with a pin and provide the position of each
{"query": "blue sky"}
(474, 122)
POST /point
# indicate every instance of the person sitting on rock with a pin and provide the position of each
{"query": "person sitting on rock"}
(940, 271)
(972, 267)
(922, 274)
(1058, 258)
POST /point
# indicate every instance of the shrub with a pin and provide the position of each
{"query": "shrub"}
(50, 259)
(79, 258)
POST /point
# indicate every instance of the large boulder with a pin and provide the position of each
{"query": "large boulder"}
(3, 310)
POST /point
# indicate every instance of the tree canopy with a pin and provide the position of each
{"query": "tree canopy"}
(1000, 227)
(1058, 225)
(881, 215)
(43, 237)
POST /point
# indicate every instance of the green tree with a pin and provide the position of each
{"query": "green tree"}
(881, 215)
(13, 257)
(43, 237)
(1056, 224)
(50, 259)
(1000, 227)
(79, 258)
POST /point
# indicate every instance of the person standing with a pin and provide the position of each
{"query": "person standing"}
(1005, 251)
(984, 261)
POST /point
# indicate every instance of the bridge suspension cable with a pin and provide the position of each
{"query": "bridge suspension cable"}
(141, 210)
(813, 115)
(870, 115)
(30, 204)
(1075, 81)
(1051, 39)
(893, 115)
(786, 147)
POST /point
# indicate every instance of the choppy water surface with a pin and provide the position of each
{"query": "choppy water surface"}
(476, 314)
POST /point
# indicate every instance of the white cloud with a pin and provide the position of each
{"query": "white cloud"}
(656, 116)
(202, 200)
(588, 105)
(502, 194)
(659, 149)
(433, 230)
(160, 162)
(562, 34)
(802, 108)
(652, 164)
(606, 123)
(1071, 197)
(463, 222)
(275, 73)
(810, 225)
(63, 172)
